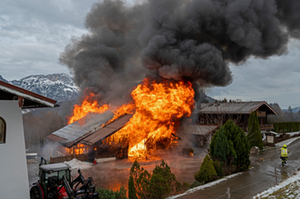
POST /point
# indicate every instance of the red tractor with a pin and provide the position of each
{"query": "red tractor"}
(55, 183)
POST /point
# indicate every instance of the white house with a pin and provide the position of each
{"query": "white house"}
(13, 166)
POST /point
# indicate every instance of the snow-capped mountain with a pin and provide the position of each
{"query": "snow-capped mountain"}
(294, 110)
(59, 87)
(2, 79)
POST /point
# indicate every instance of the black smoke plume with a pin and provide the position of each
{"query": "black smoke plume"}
(176, 39)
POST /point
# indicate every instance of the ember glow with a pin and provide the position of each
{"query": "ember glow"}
(87, 106)
(77, 149)
(158, 108)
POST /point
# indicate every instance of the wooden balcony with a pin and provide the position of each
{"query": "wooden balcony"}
(266, 127)
(261, 114)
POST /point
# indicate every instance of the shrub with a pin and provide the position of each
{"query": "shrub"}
(160, 184)
(110, 194)
(186, 186)
(207, 171)
(286, 127)
(196, 184)
(218, 168)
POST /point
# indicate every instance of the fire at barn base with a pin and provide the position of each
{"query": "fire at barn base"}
(89, 141)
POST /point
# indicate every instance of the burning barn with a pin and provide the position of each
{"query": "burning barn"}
(136, 129)
(86, 136)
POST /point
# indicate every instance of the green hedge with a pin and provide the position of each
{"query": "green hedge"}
(110, 194)
(284, 127)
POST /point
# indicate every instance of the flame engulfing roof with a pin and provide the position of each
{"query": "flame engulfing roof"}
(236, 108)
(28, 98)
(106, 131)
(88, 129)
(72, 133)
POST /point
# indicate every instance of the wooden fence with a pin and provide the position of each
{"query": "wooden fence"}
(81, 157)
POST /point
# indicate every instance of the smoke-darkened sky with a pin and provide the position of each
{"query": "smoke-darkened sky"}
(250, 48)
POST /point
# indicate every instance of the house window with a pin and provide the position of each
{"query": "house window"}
(2, 130)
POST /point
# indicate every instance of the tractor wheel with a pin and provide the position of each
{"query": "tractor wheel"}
(34, 193)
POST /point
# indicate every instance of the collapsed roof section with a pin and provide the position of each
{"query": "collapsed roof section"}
(236, 108)
(27, 99)
(88, 130)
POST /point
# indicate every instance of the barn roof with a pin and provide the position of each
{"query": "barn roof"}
(236, 108)
(106, 131)
(88, 130)
(27, 99)
(74, 131)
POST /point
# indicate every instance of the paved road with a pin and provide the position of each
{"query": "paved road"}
(256, 180)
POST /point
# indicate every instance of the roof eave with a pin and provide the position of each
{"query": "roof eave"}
(27, 95)
(265, 103)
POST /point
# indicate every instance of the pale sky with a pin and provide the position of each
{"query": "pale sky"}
(34, 32)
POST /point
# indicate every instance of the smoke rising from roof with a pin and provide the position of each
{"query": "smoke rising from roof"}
(175, 39)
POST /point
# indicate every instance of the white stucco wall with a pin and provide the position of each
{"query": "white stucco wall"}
(13, 166)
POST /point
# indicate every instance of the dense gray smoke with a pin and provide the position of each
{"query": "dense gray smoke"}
(289, 15)
(176, 39)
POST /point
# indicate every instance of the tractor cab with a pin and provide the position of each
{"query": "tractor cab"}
(55, 183)
(51, 176)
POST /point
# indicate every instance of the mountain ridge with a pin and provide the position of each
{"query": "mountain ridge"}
(294, 110)
(58, 86)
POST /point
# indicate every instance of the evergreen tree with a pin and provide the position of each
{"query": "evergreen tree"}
(158, 185)
(207, 171)
(222, 150)
(131, 188)
(141, 178)
(221, 146)
(163, 181)
(240, 144)
(254, 134)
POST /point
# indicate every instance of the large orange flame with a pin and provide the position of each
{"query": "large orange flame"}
(157, 108)
(87, 106)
